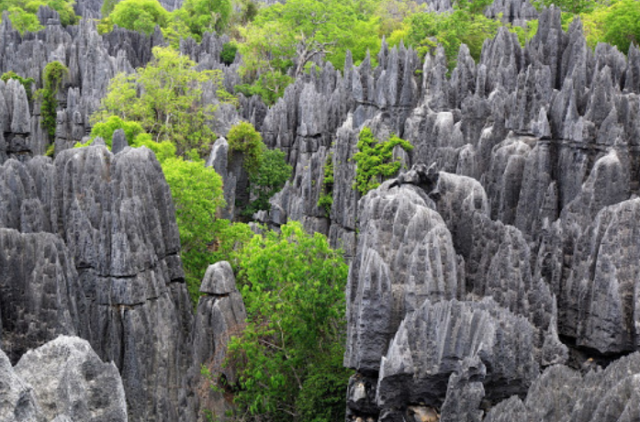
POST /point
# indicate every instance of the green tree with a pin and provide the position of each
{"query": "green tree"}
(24, 21)
(107, 7)
(52, 76)
(269, 86)
(202, 16)
(271, 176)
(244, 139)
(139, 15)
(165, 97)
(105, 130)
(23, 13)
(300, 31)
(290, 354)
(622, 23)
(570, 6)
(197, 193)
(375, 160)
(427, 30)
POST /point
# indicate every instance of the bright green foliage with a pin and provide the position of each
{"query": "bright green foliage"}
(24, 21)
(105, 129)
(326, 196)
(165, 98)
(271, 176)
(392, 13)
(323, 391)
(25, 82)
(197, 193)
(52, 77)
(228, 53)
(229, 239)
(473, 7)
(594, 26)
(202, 16)
(375, 160)
(302, 30)
(23, 13)
(139, 15)
(293, 286)
(269, 86)
(426, 30)
(245, 139)
(570, 6)
(107, 7)
(622, 24)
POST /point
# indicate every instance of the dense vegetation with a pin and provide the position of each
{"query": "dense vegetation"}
(290, 354)
(23, 13)
(375, 160)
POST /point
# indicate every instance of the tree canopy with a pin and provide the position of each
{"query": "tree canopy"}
(139, 15)
(290, 354)
(166, 99)
(23, 13)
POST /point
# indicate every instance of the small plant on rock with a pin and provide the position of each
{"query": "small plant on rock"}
(375, 161)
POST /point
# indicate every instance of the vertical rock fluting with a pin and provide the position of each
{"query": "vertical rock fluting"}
(112, 217)
(220, 315)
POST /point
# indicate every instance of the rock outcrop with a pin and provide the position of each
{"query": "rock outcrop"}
(98, 257)
(220, 315)
(63, 380)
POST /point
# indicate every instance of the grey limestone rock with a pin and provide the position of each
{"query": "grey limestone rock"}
(220, 315)
(115, 215)
(405, 255)
(68, 378)
(18, 402)
(433, 343)
(42, 297)
(562, 394)
(119, 142)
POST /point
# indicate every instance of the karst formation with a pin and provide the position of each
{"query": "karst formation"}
(495, 278)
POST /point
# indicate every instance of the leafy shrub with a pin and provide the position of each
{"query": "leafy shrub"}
(375, 160)
(105, 129)
(293, 287)
(52, 77)
(23, 13)
(25, 82)
(228, 53)
(326, 195)
(165, 98)
(622, 24)
(269, 179)
(245, 139)
(269, 86)
(139, 15)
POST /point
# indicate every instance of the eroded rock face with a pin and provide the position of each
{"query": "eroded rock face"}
(405, 255)
(103, 263)
(63, 380)
(563, 394)
(220, 315)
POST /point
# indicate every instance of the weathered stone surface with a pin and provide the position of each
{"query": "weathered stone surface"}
(562, 394)
(41, 294)
(18, 402)
(119, 142)
(220, 315)
(433, 342)
(115, 216)
(405, 255)
(69, 379)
